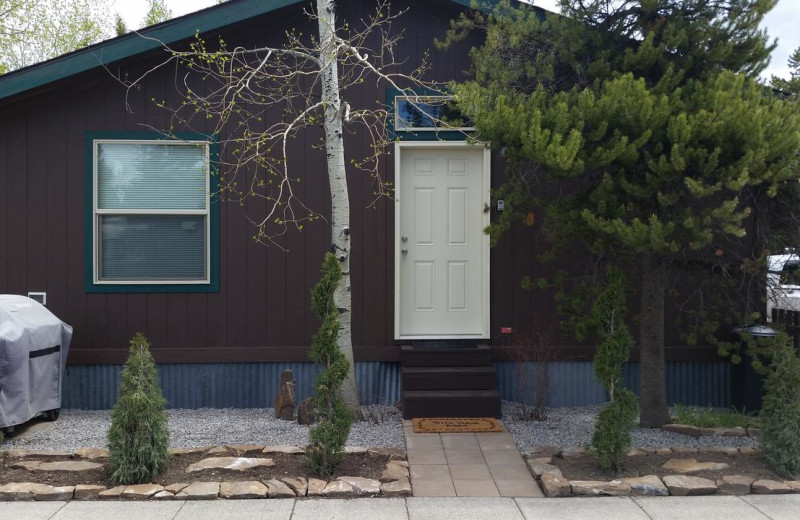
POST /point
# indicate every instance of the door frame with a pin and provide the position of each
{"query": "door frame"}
(399, 147)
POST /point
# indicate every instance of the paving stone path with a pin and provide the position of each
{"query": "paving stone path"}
(467, 465)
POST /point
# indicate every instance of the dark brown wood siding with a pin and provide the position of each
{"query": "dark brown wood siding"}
(261, 312)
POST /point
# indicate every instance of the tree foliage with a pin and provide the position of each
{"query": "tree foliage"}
(157, 12)
(36, 30)
(780, 411)
(791, 85)
(138, 438)
(637, 130)
(613, 431)
(325, 450)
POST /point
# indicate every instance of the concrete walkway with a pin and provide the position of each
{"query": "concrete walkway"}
(752, 507)
(467, 465)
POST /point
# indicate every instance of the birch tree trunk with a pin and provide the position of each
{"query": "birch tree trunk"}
(340, 202)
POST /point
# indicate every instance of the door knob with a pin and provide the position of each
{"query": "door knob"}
(404, 238)
(404, 251)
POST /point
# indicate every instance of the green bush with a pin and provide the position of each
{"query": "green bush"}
(711, 417)
(138, 439)
(613, 436)
(327, 438)
(613, 433)
(780, 411)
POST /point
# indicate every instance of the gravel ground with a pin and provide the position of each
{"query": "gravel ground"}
(572, 427)
(383, 427)
(75, 429)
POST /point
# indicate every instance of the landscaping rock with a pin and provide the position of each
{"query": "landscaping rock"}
(28, 465)
(175, 488)
(538, 469)
(734, 485)
(18, 453)
(598, 487)
(277, 489)
(736, 431)
(298, 484)
(684, 450)
(19, 491)
(114, 492)
(63, 466)
(305, 412)
(541, 460)
(769, 487)
(87, 492)
(163, 495)
(579, 451)
(91, 454)
(240, 490)
(141, 491)
(397, 488)
(663, 451)
(555, 485)
(358, 450)
(229, 464)
(199, 491)
(748, 450)
(364, 487)
(545, 450)
(338, 489)
(754, 432)
(220, 451)
(685, 429)
(283, 448)
(794, 485)
(394, 454)
(316, 487)
(649, 485)
(55, 493)
(691, 465)
(244, 449)
(685, 485)
(393, 472)
(177, 452)
(636, 452)
(719, 449)
(285, 401)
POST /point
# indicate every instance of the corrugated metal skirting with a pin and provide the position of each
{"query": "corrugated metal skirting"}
(573, 383)
(254, 385)
(223, 385)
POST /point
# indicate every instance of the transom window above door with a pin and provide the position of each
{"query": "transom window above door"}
(428, 113)
(151, 213)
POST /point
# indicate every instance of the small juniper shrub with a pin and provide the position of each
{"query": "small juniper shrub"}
(138, 439)
(780, 411)
(325, 450)
(613, 433)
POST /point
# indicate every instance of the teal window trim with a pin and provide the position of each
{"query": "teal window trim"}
(213, 219)
(412, 135)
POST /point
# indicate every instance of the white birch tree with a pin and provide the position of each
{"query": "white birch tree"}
(258, 99)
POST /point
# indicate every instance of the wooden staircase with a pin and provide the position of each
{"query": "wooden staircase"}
(443, 381)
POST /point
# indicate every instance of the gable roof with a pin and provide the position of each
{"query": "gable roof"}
(144, 40)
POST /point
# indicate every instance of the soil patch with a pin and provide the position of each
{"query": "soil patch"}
(354, 465)
(586, 468)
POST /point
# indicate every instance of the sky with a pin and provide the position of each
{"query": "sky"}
(783, 23)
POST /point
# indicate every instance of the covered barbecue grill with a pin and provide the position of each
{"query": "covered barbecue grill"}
(33, 354)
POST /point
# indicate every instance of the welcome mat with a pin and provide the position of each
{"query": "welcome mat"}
(456, 425)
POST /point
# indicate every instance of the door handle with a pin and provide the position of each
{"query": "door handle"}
(404, 251)
(404, 238)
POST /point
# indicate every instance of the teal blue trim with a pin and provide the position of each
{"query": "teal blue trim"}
(91, 287)
(130, 44)
(410, 135)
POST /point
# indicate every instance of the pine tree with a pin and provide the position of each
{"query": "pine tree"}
(138, 439)
(791, 85)
(327, 438)
(637, 130)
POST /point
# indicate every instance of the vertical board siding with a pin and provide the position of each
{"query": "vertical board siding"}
(223, 385)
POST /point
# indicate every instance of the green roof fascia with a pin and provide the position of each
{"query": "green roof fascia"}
(134, 43)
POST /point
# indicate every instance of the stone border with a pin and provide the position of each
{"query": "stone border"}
(554, 484)
(393, 482)
(696, 431)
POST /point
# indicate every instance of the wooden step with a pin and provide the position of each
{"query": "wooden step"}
(451, 403)
(415, 356)
(449, 378)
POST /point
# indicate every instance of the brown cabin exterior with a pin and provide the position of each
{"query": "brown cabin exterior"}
(260, 312)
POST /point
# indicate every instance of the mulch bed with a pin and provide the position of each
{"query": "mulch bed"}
(586, 468)
(354, 465)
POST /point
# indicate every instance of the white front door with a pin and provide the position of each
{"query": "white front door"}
(442, 254)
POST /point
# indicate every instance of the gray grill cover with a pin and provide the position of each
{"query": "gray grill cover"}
(33, 354)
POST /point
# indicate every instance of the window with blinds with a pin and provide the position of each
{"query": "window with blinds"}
(151, 212)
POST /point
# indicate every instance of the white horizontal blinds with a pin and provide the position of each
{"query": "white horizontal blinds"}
(152, 212)
(148, 176)
(153, 247)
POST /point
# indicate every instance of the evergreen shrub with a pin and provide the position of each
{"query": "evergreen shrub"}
(138, 439)
(327, 438)
(780, 411)
(613, 433)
